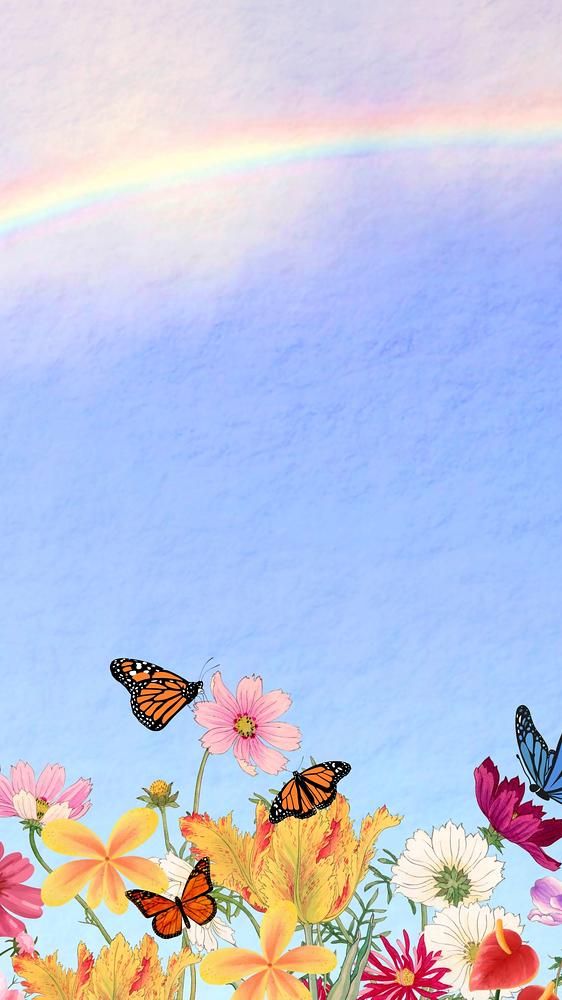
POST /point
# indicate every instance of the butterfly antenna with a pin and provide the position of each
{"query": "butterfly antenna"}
(206, 667)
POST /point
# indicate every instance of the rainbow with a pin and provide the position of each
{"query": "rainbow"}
(38, 201)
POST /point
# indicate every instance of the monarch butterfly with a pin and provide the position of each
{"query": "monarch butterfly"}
(169, 915)
(308, 790)
(156, 694)
(542, 766)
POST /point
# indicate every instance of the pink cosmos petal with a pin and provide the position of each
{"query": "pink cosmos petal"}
(9, 926)
(5, 993)
(25, 901)
(218, 740)
(270, 705)
(75, 795)
(25, 805)
(248, 692)
(281, 734)
(241, 750)
(50, 782)
(223, 696)
(14, 868)
(269, 760)
(6, 791)
(23, 777)
(211, 715)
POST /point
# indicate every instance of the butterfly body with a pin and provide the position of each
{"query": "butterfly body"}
(195, 905)
(542, 766)
(308, 791)
(157, 695)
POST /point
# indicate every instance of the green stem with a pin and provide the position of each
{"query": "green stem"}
(423, 911)
(312, 985)
(89, 913)
(198, 781)
(169, 846)
(343, 930)
(497, 995)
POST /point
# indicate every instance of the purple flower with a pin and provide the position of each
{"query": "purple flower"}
(546, 894)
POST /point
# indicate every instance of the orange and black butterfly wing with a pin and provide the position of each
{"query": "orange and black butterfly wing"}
(166, 914)
(308, 791)
(197, 903)
(157, 695)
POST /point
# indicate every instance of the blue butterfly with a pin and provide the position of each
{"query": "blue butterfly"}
(543, 766)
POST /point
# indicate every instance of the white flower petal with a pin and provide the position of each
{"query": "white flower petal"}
(25, 804)
(60, 810)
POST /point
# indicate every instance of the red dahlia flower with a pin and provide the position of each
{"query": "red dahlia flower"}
(519, 822)
(408, 976)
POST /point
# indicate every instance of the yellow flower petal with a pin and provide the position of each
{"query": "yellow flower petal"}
(229, 964)
(144, 873)
(277, 928)
(307, 958)
(130, 831)
(254, 988)
(95, 891)
(67, 836)
(281, 986)
(62, 885)
(114, 890)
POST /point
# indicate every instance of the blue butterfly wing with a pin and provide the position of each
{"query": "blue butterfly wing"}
(535, 757)
(553, 783)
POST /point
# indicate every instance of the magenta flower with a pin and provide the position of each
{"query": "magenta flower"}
(25, 943)
(519, 822)
(246, 723)
(546, 894)
(407, 976)
(20, 899)
(42, 800)
(5, 993)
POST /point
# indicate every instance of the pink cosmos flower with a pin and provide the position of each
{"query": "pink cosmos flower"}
(409, 975)
(42, 799)
(21, 899)
(246, 723)
(520, 822)
(25, 943)
(547, 897)
(5, 993)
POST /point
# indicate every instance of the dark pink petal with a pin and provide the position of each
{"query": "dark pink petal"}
(549, 832)
(50, 782)
(15, 868)
(25, 900)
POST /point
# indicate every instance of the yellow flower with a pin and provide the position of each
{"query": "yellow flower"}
(269, 971)
(103, 866)
(118, 971)
(315, 863)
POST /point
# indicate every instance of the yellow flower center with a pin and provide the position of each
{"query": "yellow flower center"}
(405, 977)
(42, 806)
(470, 951)
(245, 726)
(159, 787)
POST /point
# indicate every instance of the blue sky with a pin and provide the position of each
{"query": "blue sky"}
(308, 424)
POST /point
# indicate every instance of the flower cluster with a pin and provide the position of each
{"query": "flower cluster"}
(305, 879)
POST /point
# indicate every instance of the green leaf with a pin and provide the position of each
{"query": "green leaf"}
(348, 982)
(412, 906)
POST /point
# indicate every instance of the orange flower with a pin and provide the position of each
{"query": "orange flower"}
(503, 961)
(316, 863)
(269, 971)
(538, 992)
(102, 866)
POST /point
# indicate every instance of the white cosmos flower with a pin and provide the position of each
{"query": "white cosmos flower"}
(457, 933)
(202, 938)
(447, 868)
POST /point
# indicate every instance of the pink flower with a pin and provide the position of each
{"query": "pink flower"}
(246, 723)
(407, 976)
(43, 799)
(25, 943)
(21, 899)
(5, 993)
(520, 822)
(547, 897)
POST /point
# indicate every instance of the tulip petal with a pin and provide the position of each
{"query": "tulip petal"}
(144, 873)
(307, 958)
(254, 988)
(131, 830)
(67, 836)
(229, 964)
(277, 928)
(65, 882)
(282, 986)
